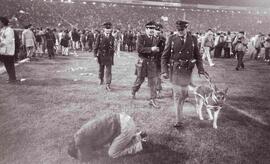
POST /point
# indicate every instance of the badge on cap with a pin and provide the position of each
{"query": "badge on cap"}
(150, 24)
(182, 23)
(107, 25)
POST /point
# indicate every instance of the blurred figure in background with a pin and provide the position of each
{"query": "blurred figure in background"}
(7, 48)
(51, 40)
(29, 41)
(240, 43)
(267, 49)
(207, 45)
(65, 43)
(228, 45)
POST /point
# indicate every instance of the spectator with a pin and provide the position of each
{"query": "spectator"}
(64, 43)
(7, 48)
(29, 41)
(118, 130)
(207, 45)
(240, 43)
(267, 49)
(51, 40)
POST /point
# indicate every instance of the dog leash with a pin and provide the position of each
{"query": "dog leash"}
(209, 80)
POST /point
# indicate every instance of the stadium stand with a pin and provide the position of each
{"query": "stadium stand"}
(130, 16)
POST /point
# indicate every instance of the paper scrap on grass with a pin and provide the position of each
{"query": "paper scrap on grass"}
(87, 74)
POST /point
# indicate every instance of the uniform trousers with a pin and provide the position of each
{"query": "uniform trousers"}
(180, 93)
(159, 87)
(107, 71)
(152, 83)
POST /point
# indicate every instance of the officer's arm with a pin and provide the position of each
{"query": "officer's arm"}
(140, 46)
(96, 45)
(165, 57)
(198, 56)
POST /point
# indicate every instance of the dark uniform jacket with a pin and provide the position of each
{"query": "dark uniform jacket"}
(147, 62)
(180, 58)
(160, 42)
(104, 49)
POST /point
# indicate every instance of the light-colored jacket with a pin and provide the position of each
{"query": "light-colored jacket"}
(28, 38)
(7, 41)
(240, 44)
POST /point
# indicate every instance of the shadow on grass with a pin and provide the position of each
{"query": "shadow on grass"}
(54, 82)
(242, 120)
(152, 154)
(249, 99)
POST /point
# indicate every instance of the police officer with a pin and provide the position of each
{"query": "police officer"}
(181, 53)
(147, 62)
(104, 54)
(160, 42)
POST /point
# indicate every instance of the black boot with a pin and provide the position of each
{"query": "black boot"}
(133, 94)
(108, 87)
(101, 82)
(153, 103)
(178, 125)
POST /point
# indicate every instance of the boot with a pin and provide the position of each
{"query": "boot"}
(133, 95)
(101, 82)
(108, 87)
(153, 103)
(178, 125)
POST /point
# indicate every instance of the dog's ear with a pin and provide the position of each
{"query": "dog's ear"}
(226, 90)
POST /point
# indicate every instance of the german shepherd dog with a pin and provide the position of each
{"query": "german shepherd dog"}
(210, 97)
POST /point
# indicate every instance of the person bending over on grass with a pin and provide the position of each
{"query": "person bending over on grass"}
(116, 130)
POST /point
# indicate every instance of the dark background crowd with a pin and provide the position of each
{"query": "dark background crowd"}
(127, 16)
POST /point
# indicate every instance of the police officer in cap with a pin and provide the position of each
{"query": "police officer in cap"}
(147, 62)
(104, 54)
(181, 54)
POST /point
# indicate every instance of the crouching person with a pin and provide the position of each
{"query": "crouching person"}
(116, 130)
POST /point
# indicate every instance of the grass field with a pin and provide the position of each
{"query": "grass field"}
(40, 115)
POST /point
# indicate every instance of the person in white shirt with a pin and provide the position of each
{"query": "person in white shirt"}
(29, 41)
(207, 45)
(7, 48)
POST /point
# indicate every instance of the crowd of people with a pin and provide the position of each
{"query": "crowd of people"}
(130, 17)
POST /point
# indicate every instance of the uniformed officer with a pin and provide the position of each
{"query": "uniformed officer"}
(104, 54)
(147, 62)
(181, 53)
(160, 42)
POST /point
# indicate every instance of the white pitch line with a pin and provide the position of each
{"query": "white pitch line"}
(258, 119)
(3, 69)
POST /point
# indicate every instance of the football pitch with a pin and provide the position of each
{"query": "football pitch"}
(40, 115)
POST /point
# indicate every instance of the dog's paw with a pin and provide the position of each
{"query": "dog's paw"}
(215, 126)
(201, 118)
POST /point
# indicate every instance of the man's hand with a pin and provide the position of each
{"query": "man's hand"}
(96, 59)
(155, 49)
(164, 76)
